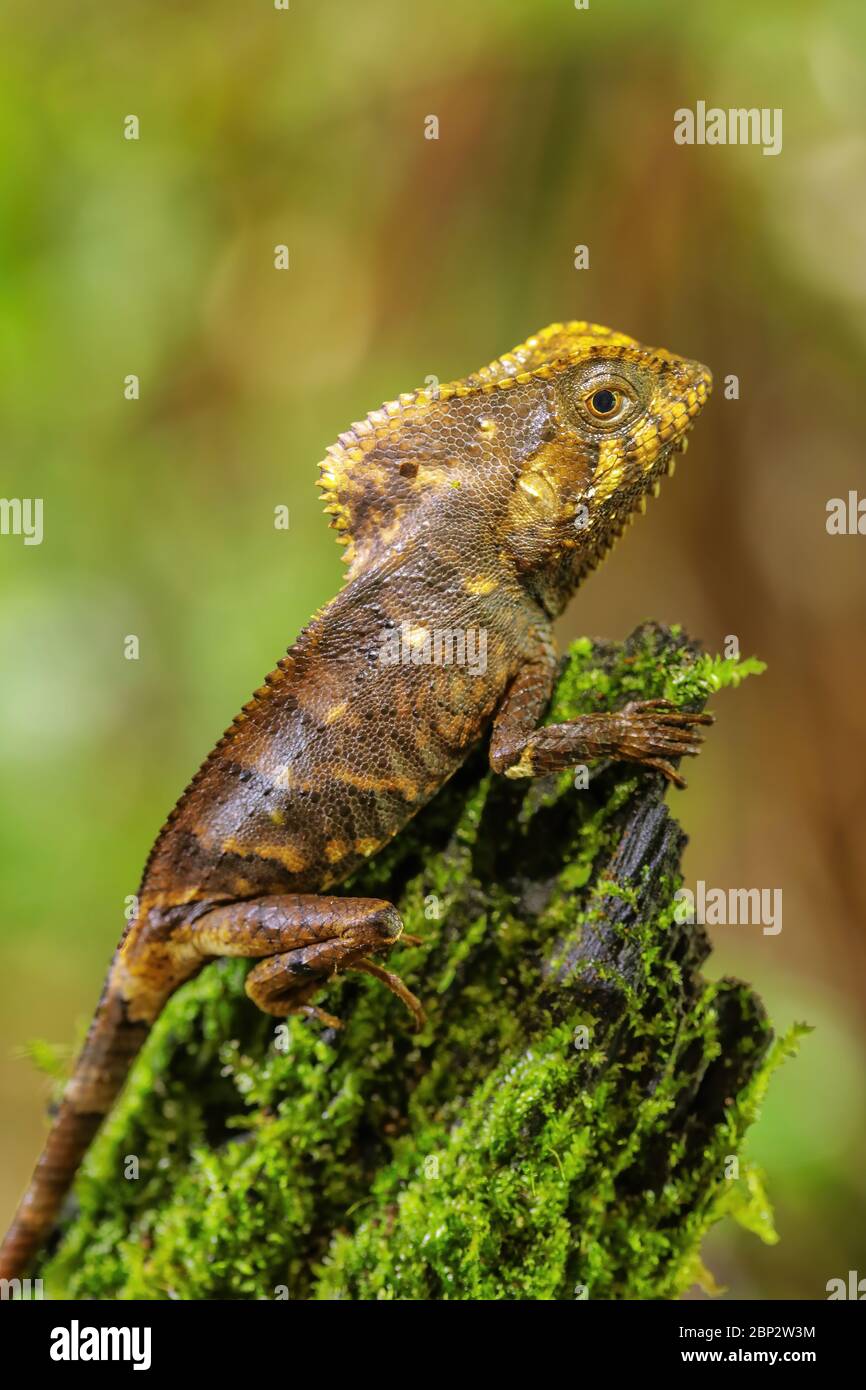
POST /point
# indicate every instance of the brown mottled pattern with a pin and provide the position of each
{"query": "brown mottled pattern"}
(290, 780)
(476, 508)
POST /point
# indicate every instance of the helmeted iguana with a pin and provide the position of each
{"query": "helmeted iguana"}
(470, 513)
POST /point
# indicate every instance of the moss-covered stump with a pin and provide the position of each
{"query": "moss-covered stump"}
(564, 1126)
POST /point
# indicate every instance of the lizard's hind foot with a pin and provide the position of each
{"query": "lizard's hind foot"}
(305, 940)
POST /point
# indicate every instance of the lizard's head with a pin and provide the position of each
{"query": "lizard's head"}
(616, 416)
(555, 446)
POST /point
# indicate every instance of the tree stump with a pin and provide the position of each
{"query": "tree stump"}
(567, 1125)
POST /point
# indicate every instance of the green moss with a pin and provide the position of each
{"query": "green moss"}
(564, 1122)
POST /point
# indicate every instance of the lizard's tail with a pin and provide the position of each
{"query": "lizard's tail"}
(112, 1044)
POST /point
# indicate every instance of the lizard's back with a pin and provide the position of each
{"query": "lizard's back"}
(372, 710)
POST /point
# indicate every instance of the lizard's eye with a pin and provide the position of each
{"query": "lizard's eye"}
(605, 398)
(604, 403)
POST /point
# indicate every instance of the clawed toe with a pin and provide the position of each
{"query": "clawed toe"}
(666, 712)
(396, 986)
(647, 706)
(670, 772)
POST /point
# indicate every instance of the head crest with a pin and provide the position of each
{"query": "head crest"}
(376, 469)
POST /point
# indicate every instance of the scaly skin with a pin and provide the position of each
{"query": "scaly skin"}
(477, 507)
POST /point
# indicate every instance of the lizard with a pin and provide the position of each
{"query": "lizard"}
(479, 506)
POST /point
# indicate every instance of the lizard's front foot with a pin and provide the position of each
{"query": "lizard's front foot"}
(659, 731)
(647, 732)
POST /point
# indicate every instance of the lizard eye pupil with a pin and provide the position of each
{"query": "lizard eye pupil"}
(603, 402)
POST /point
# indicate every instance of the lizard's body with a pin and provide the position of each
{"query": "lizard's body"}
(472, 510)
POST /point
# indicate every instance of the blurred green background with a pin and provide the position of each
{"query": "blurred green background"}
(412, 257)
